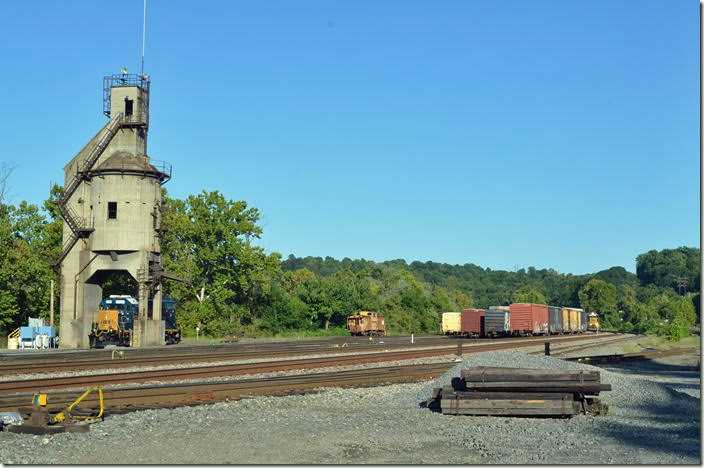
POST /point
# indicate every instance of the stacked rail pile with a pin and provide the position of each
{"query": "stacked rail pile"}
(499, 391)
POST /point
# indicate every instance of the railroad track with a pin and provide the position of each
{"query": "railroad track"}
(126, 399)
(167, 395)
(43, 384)
(609, 339)
(168, 358)
(89, 361)
(31, 361)
(120, 400)
(78, 355)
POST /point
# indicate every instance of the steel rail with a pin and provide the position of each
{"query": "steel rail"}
(193, 393)
(225, 370)
(562, 350)
(16, 357)
(63, 355)
(166, 357)
(39, 362)
(180, 358)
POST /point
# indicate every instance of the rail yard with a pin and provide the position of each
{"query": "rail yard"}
(219, 386)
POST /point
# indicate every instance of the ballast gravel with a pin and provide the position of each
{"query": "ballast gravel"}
(649, 422)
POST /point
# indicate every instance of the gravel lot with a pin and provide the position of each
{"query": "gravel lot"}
(654, 418)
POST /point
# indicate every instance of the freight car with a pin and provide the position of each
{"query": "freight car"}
(574, 320)
(114, 321)
(451, 323)
(584, 321)
(528, 319)
(520, 319)
(555, 320)
(472, 322)
(467, 322)
(496, 321)
(366, 323)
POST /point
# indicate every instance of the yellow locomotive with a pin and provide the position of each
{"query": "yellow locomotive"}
(594, 324)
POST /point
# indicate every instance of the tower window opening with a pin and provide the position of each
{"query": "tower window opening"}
(128, 106)
(112, 210)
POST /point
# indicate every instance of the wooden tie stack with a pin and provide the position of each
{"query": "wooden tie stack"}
(501, 391)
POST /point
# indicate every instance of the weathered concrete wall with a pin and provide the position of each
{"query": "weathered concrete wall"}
(136, 95)
(127, 241)
(148, 333)
(137, 201)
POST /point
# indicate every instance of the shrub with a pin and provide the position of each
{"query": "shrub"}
(678, 329)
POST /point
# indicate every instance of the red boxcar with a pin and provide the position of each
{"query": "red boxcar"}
(472, 322)
(528, 318)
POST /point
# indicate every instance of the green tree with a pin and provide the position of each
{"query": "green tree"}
(209, 240)
(598, 296)
(530, 295)
(677, 330)
(617, 276)
(281, 311)
(666, 267)
(680, 314)
(26, 247)
(462, 300)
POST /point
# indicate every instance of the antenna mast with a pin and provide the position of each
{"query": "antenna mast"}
(144, 32)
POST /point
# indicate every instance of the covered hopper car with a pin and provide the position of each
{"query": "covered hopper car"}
(366, 323)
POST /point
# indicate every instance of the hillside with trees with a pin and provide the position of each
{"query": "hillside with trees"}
(237, 286)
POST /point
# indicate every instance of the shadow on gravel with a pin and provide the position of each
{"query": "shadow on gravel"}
(681, 411)
(433, 405)
(648, 366)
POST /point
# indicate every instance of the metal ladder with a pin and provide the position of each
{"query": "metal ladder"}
(75, 223)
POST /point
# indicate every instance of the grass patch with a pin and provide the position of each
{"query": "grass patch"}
(287, 334)
(630, 348)
(661, 343)
(200, 340)
(312, 333)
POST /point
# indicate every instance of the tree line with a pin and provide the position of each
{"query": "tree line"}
(236, 286)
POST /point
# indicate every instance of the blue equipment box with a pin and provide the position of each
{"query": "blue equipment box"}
(28, 333)
(50, 331)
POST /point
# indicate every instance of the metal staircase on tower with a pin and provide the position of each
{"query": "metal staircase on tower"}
(81, 227)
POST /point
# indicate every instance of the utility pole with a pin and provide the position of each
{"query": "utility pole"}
(51, 305)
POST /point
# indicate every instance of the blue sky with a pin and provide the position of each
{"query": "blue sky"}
(508, 134)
